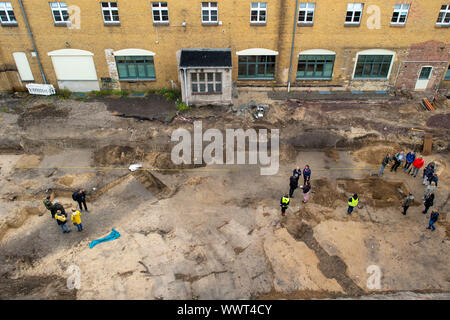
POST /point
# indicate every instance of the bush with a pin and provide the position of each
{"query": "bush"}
(170, 94)
(64, 93)
(181, 106)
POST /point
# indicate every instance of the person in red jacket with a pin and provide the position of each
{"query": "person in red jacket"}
(416, 165)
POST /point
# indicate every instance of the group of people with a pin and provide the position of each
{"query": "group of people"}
(58, 212)
(411, 165)
(293, 184)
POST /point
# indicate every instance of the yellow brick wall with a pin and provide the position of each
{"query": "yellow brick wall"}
(137, 31)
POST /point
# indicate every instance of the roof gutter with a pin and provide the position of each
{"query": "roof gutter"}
(185, 87)
(32, 41)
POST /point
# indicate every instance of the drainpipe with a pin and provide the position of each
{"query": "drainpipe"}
(185, 87)
(292, 48)
(32, 41)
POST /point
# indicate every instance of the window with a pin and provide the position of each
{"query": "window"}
(400, 14)
(206, 82)
(59, 10)
(447, 75)
(256, 67)
(209, 12)
(7, 13)
(306, 13)
(315, 66)
(425, 73)
(135, 68)
(354, 13)
(160, 12)
(110, 12)
(258, 12)
(444, 15)
(373, 66)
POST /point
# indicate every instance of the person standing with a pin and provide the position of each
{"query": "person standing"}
(409, 200)
(384, 163)
(428, 202)
(398, 159)
(293, 184)
(76, 219)
(306, 190)
(428, 173)
(410, 157)
(80, 197)
(433, 219)
(61, 219)
(284, 204)
(48, 204)
(434, 179)
(57, 207)
(429, 189)
(416, 165)
(306, 174)
(297, 173)
(352, 203)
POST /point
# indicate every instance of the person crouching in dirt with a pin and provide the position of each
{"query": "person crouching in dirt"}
(293, 184)
(410, 157)
(76, 219)
(306, 174)
(61, 219)
(284, 204)
(80, 197)
(433, 218)
(398, 159)
(384, 163)
(48, 204)
(352, 203)
(409, 200)
(57, 207)
(306, 190)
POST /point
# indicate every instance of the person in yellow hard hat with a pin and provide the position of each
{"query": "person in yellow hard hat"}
(352, 203)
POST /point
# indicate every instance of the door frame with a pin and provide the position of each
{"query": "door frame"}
(425, 82)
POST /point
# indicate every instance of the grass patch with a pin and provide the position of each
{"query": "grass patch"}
(181, 106)
(170, 94)
(64, 93)
(5, 110)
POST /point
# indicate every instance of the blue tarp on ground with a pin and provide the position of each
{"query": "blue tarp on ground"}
(113, 235)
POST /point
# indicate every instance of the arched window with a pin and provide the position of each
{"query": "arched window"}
(256, 64)
(373, 64)
(315, 64)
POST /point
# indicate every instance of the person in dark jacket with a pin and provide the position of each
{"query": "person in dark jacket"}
(48, 204)
(80, 197)
(428, 172)
(61, 219)
(384, 163)
(293, 184)
(410, 157)
(398, 159)
(57, 207)
(428, 202)
(297, 173)
(306, 190)
(433, 218)
(434, 178)
(409, 200)
(306, 174)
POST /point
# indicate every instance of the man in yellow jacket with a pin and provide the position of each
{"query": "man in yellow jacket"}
(61, 219)
(352, 203)
(76, 219)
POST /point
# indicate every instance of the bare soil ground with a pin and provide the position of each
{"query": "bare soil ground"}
(213, 231)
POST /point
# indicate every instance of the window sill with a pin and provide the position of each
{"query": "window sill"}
(210, 23)
(305, 24)
(252, 79)
(322, 79)
(350, 24)
(163, 23)
(371, 79)
(136, 80)
(62, 24)
(111, 24)
(15, 24)
(442, 25)
(401, 25)
(206, 93)
(257, 24)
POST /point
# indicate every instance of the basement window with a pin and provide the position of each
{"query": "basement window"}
(210, 13)
(7, 14)
(354, 13)
(160, 12)
(206, 82)
(306, 13)
(256, 67)
(135, 67)
(400, 14)
(258, 12)
(373, 66)
(110, 13)
(60, 13)
(444, 16)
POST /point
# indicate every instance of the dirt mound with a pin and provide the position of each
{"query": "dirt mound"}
(439, 121)
(196, 180)
(332, 154)
(376, 192)
(17, 220)
(118, 155)
(325, 194)
(163, 161)
(70, 180)
(152, 183)
(28, 161)
(375, 154)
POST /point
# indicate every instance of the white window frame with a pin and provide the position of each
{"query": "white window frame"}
(7, 7)
(206, 82)
(260, 7)
(110, 9)
(401, 9)
(306, 7)
(60, 7)
(351, 8)
(445, 9)
(157, 6)
(210, 6)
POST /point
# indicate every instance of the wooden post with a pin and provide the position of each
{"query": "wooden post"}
(427, 144)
